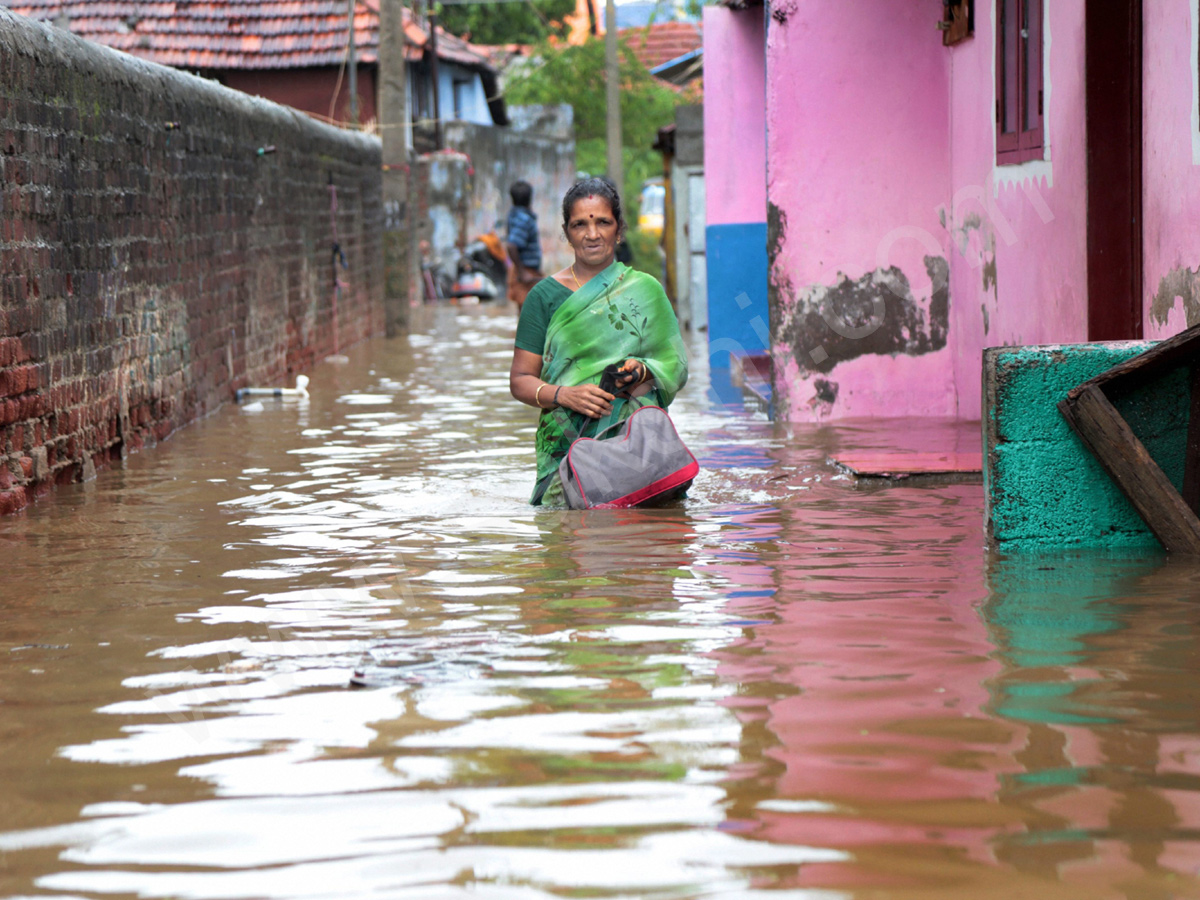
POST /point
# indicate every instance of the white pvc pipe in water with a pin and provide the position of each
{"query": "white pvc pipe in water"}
(299, 391)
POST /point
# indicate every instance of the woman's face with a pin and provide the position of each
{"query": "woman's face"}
(592, 231)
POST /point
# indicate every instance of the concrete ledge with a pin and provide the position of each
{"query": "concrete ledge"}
(1043, 489)
(751, 374)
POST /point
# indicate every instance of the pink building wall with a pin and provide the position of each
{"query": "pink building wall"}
(1170, 168)
(857, 169)
(735, 137)
(898, 248)
(735, 165)
(1019, 264)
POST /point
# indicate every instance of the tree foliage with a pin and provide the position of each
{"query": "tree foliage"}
(531, 22)
(576, 75)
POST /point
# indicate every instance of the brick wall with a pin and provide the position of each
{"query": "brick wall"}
(156, 254)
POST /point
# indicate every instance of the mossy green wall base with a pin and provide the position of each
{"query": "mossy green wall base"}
(1042, 486)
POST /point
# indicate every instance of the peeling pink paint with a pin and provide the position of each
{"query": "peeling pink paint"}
(1032, 217)
(881, 153)
(904, 163)
(1170, 164)
(858, 162)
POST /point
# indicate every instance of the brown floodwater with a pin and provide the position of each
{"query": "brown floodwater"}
(789, 685)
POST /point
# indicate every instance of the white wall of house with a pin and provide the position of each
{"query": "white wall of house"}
(460, 94)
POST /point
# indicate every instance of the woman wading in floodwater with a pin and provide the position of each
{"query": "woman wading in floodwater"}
(591, 314)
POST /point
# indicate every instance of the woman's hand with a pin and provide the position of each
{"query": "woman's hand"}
(637, 373)
(587, 399)
(625, 377)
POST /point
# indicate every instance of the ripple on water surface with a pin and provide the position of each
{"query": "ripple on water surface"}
(787, 685)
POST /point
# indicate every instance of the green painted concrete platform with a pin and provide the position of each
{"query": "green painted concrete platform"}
(1043, 488)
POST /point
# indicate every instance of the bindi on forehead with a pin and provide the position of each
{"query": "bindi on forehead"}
(592, 216)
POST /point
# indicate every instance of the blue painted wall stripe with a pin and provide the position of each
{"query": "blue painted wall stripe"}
(738, 321)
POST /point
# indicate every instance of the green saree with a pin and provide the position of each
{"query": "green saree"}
(620, 314)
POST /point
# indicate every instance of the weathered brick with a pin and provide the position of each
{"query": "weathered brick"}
(170, 267)
(18, 380)
(12, 501)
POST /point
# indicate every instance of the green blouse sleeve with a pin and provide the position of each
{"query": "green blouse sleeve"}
(547, 295)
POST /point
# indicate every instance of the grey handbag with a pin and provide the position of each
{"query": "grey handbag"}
(637, 461)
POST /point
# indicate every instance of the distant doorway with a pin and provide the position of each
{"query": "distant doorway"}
(1113, 85)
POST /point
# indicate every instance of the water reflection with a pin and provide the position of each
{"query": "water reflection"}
(789, 685)
(1100, 670)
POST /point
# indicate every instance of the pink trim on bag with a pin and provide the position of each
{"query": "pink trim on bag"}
(676, 479)
(683, 477)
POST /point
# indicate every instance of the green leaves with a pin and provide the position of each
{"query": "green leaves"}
(575, 75)
(507, 23)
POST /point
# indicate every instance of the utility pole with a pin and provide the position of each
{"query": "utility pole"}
(613, 96)
(394, 114)
(352, 66)
(399, 246)
(433, 76)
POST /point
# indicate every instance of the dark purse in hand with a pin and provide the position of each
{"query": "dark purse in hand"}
(612, 379)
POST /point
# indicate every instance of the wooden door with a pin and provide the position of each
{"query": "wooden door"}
(1113, 51)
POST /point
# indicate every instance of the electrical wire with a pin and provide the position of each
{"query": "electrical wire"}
(342, 68)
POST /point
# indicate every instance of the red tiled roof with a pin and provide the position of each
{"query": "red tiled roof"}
(239, 34)
(662, 42)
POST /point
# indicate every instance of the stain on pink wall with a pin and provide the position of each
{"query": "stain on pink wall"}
(1170, 169)
(857, 169)
(881, 152)
(734, 125)
(881, 158)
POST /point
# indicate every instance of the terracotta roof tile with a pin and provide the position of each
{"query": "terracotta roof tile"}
(240, 34)
(662, 42)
